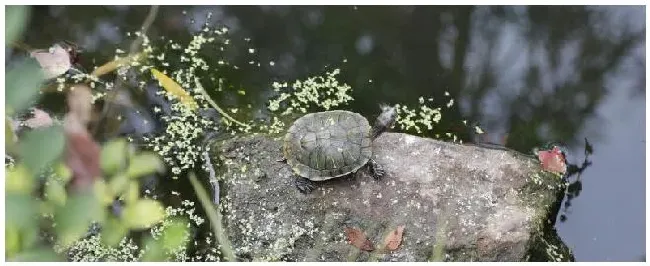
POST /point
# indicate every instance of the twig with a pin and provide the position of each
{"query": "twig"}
(213, 177)
(442, 221)
(112, 65)
(214, 105)
(215, 219)
(143, 29)
(22, 46)
(133, 49)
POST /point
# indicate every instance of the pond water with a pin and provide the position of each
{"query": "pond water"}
(526, 75)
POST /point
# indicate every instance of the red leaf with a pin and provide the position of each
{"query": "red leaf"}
(80, 103)
(40, 119)
(82, 152)
(394, 238)
(358, 239)
(54, 61)
(553, 160)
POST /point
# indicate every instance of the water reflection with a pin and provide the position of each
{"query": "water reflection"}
(527, 75)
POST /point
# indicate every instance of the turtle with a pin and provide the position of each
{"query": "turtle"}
(331, 144)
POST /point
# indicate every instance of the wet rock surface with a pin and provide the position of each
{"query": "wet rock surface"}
(456, 202)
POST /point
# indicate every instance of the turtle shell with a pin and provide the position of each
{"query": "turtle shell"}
(325, 145)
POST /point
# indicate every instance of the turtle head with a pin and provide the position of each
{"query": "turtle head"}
(385, 120)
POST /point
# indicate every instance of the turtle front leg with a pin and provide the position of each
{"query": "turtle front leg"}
(376, 170)
(304, 185)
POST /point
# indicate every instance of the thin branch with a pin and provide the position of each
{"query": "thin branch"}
(143, 29)
(214, 105)
(213, 177)
(132, 51)
(214, 217)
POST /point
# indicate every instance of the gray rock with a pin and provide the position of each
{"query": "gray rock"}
(457, 203)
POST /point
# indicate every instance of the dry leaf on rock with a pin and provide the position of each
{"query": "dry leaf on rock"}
(394, 238)
(553, 160)
(358, 239)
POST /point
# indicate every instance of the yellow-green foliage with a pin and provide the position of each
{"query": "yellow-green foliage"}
(177, 144)
(325, 92)
(93, 249)
(69, 213)
(416, 118)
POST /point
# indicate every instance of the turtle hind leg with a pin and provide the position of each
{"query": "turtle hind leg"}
(376, 170)
(304, 185)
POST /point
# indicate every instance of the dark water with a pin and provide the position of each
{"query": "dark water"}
(527, 75)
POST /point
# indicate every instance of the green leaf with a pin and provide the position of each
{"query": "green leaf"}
(38, 255)
(113, 232)
(132, 192)
(143, 214)
(22, 85)
(118, 184)
(9, 136)
(12, 241)
(63, 172)
(55, 193)
(143, 164)
(47, 208)
(74, 219)
(19, 180)
(113, 156)
(103, 193)
(175, 235)
(155, 251)
(21, 211)
(41, 147)
(21, 222)
(29, 238)
(16, 18)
